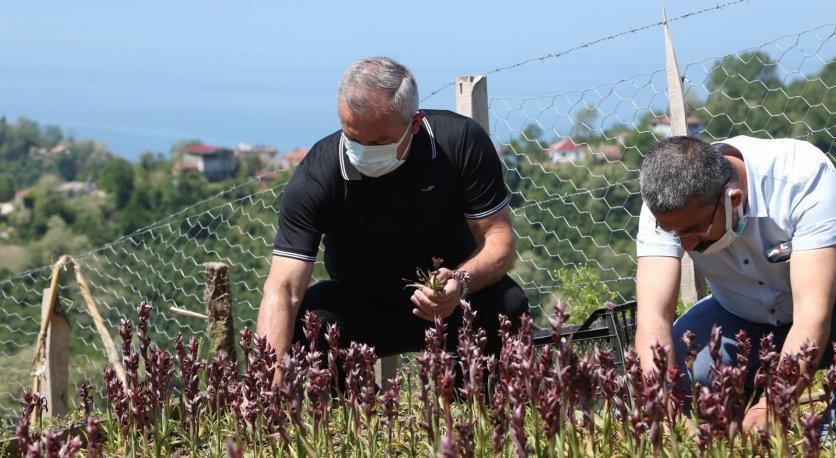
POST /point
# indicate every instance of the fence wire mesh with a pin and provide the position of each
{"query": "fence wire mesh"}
(573, 158)
(572, 163)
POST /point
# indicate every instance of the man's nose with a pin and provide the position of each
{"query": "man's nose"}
(689, 243)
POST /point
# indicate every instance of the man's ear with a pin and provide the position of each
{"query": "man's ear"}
(415, 125)
(736, 195)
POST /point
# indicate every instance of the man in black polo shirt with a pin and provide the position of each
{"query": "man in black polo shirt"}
(394, 188)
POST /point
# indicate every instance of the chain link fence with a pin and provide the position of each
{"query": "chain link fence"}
(572, 163)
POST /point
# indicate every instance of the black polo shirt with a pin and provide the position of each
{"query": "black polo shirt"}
(378, 230)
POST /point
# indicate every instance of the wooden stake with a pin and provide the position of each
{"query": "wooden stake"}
(57, 366)
(218, 300)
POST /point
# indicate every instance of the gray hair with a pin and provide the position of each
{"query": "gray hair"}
(679, 168)
(365, 81)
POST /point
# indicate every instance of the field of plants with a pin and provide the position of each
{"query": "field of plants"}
(528, 400)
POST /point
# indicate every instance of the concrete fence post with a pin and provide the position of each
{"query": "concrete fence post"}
(691, 283)
(472, 99)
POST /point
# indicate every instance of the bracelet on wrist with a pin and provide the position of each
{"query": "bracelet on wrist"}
(464, 282)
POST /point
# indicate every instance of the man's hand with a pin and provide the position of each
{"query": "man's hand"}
(755, 417)
(429, 303)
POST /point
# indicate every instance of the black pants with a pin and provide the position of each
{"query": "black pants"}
(385, 320)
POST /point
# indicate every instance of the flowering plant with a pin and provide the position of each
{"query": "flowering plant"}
(428, 278)
(545, 401)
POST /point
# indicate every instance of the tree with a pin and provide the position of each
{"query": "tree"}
(117, 178)
(249, 166)
(57, 240)
(7, 188)
(150, 162)
(52, 136)
(45, 202)
(810, 108)
(637, 141)
(89, 156)
(137, 214)
(19, 139)
(744, 92)
(185, 190)
(67, 166)
(582, 128)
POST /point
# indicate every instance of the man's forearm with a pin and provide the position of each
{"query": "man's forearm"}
(797, 335)
(276, 321)
(488, 264)
(283, 292)
(494, 254)
(657, 286)
(818, 333)
(813, 280)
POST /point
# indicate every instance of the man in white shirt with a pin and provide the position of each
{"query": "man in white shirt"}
(739, 207)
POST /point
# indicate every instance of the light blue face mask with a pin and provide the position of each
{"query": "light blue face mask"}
(375, 160)
(731, 233)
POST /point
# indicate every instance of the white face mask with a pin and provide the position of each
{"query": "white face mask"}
(731, 234)
(375, 160)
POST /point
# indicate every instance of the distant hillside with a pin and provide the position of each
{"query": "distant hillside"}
(61, 195)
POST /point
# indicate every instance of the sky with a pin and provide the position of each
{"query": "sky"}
(142, 75)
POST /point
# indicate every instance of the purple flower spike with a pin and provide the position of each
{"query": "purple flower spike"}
(232, 450)
(465, 444)
(690, 341)
(94, 446)
(332, 336)
(715, 344)
(810, 423)
(447, 448)
(144, 312)
(744, 348)
(24, 437)
(71, 447)
(126, 333)
(246, 344)
(51, 444)
(84, 395)
(313, 325)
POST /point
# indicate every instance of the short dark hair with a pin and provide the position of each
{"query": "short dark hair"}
(679, 168)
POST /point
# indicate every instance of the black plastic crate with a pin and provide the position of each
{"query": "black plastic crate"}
(604, 328)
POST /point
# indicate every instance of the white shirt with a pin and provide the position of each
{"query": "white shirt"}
(791, 196)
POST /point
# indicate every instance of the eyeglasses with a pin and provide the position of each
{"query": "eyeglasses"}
(694, 235)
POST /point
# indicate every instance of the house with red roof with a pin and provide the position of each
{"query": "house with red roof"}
(565, 151)
(215, 163)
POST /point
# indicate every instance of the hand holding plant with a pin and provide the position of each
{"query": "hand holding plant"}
(435, 294)
(429, 278)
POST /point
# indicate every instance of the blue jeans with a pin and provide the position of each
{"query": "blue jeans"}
(707, 312)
